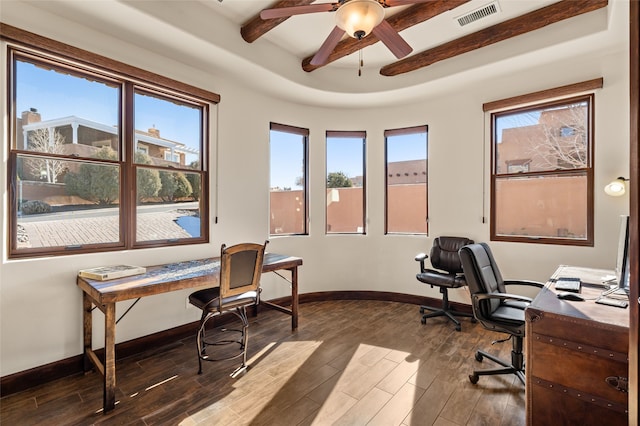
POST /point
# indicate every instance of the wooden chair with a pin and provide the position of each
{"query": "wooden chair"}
(240, 270)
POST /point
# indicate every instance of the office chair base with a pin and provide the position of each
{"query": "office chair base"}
(449, 313)
(445, 311)
(507, 368)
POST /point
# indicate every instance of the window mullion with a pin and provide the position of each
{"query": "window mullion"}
(128, 187)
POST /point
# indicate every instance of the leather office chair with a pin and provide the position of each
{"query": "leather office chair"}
(240, 271)
(496, 309)
(444, 256)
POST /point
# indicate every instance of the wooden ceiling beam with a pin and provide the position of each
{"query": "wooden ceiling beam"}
(256, 27)
(400, 21)
(537, 19)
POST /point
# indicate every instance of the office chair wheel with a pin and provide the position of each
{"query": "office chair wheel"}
(474, 320)
(423, 320)
(479, 358)
(473, 378)
(458, 327)
(422, 310)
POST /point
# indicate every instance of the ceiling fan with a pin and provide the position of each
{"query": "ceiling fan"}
(357, 18)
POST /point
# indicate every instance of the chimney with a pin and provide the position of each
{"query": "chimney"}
(31, 116)
(154, 132)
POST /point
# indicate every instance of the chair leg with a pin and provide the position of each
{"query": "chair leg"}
(516, 367)
(242, 314)
(202, 342)
(200, 339)
(445, 311)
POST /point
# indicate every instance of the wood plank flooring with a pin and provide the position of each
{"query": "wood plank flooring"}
(349, 363)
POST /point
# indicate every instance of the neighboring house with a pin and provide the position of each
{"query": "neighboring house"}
(404, 172)
(556, 141)
(401, 172)
(85, 136)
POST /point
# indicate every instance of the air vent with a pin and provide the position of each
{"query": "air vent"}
(481, 13)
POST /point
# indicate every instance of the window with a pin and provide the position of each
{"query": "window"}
(542, 173)
(80, 181)
(345, 182)
(566, 131)
(406, 178)
(171, 157)
(288, 189)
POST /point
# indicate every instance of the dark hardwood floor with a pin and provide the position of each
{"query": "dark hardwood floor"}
(349, 363)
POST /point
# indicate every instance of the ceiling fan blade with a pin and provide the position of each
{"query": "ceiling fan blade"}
(320, 58)
(390, 37)
(392, 3)
(285, 12)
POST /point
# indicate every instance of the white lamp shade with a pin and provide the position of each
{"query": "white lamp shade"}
(615, 188)
(359, 17)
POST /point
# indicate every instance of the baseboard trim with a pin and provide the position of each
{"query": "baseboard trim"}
(26, 379)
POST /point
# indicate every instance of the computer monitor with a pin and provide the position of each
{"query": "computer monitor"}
(622, 257)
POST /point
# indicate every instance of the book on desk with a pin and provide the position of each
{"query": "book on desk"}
(104, 273)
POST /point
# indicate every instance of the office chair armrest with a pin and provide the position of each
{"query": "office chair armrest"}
(524, 282)
(420, 257)
(502, 296)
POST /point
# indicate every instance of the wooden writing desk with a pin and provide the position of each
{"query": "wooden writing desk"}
(159, 279)
(577, 355)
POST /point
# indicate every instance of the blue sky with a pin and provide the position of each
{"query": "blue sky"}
(57, 95)
(343, 155)
(519, 119)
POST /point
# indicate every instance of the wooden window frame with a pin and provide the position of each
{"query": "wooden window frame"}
(355, 134)
(400, 132)
(20, 42)
(285, 128)
(533, 102)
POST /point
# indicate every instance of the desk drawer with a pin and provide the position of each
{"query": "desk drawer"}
(579, 330)
(574, 367)
(555, 408)
(568, 361)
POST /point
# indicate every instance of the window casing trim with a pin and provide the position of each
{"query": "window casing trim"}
(544, 95)
(40, 45)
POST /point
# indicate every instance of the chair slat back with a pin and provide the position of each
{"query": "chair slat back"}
(240, 268)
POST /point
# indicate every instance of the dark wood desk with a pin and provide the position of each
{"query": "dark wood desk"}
(159, 279)
(576, 355)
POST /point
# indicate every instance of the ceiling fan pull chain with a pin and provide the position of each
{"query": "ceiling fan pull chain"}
(360, 63)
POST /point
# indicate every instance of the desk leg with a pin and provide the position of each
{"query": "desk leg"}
(87, 327)
(109, 393)
(294, 298)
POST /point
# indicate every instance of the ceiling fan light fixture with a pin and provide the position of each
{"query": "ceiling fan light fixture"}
(359, 17)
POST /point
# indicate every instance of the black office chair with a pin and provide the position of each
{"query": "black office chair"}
(496, 309)
(444, 257)
(240, 270)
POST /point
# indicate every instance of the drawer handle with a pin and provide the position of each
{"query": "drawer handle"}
(620, 383)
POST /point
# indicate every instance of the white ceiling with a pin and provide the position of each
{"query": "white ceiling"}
(205, 34)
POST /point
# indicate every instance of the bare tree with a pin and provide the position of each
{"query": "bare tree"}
(565, 138)
(554, 138)
(42, 140)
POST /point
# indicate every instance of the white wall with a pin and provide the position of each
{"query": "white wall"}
(40, 305)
